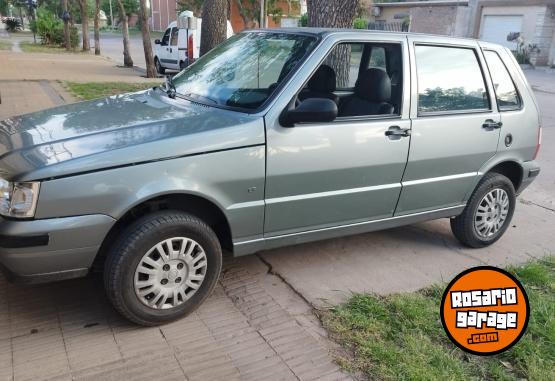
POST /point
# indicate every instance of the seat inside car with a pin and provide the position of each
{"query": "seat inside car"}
(372, 95)
(322, 85)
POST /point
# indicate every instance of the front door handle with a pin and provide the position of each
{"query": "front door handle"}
(396, 132)
(490, 124)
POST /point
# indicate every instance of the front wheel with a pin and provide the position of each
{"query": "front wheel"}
(162, 267)
(159, 68)
(488, 213)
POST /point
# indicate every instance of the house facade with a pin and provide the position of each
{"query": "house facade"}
(165, 11)
(489, 20)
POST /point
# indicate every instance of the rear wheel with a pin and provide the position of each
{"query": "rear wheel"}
(162, 267)
(159, 68)
(488, 213)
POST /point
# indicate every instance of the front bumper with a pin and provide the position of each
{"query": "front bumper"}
(530, 170)
(51, 249)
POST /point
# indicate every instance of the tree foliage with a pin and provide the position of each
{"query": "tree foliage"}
(190, 5)
(50, 29)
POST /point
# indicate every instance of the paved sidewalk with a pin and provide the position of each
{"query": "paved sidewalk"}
(79, 67)
(243, 331)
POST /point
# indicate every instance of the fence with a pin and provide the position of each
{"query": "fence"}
(389, 26)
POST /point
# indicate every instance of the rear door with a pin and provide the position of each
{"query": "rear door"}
(455, 124)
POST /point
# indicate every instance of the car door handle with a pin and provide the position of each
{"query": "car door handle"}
(490, 124)
(396, 132)
(170, 50)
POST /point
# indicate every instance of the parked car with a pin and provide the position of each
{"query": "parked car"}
(180, 46)
(274, 138)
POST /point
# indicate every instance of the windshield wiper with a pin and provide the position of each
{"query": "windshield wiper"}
(198, 96)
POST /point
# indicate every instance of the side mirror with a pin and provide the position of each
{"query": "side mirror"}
(312, 110)
(157, 41)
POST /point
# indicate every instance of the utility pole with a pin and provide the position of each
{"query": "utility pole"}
(262, 13)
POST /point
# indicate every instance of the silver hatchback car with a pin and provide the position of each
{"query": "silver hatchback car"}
(275, 137)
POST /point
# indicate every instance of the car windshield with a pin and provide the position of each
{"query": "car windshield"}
(244, 71)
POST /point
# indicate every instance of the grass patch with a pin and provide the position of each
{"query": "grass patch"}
(92, 90)
(5, 45)
(30, 47)
(400, 337)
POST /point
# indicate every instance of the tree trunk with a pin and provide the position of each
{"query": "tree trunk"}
(67, 41)
(127, 61)
(331, 13)
(214, 24)
(97, 28)
(85, 25)
(147, 44)
(335, 14)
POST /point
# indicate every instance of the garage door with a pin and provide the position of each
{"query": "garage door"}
(497, 28)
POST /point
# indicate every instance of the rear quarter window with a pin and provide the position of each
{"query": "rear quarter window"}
(505, 89)
(449, 79)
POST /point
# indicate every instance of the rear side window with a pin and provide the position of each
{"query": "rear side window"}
(505, 90)
(449, 79)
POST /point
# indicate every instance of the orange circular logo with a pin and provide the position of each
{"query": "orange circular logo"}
(485, 310)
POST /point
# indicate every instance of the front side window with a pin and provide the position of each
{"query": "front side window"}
(363, 79)
(505, 90)
(166, 38)
(449, 79)
(175, 34)
(245, 70)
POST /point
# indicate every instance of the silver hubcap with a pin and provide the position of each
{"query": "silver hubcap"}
(170, 273)
(492, 213)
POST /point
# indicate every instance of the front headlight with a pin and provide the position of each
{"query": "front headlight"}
(18, 200)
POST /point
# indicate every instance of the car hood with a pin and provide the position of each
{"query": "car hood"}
(118, 130)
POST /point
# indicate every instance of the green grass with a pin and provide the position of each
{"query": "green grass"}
(400, 337)
(5, 45)
(92, 90)
(30, 47)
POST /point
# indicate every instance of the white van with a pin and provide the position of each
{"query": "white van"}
(172, 52)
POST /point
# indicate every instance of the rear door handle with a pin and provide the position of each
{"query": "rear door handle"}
(490, 124)
(396, 132)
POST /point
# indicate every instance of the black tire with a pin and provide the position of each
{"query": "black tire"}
(159, 68)
(463, 226)
(135, 242)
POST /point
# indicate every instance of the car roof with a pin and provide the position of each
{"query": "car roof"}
(328, 31)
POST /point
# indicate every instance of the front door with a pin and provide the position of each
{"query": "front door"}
(164, 48)
(455, 125)
(322, 175)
